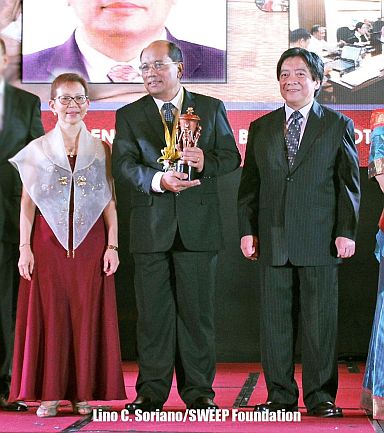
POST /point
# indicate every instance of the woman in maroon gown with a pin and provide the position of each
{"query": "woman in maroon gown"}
(67, 342)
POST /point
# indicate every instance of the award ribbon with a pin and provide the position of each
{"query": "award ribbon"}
(169, 153)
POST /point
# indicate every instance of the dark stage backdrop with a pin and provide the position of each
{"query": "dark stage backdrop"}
(237, 295)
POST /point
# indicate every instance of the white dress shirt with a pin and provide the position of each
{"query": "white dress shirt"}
(98, 65)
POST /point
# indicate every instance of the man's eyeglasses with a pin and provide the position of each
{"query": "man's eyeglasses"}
(157, 66)
(66, 100)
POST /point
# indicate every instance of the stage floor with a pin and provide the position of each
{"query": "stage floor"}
(238, 387)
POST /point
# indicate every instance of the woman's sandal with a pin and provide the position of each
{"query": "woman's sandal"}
(47, 408)
(82, 408)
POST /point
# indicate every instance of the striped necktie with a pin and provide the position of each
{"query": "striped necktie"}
(292, 137)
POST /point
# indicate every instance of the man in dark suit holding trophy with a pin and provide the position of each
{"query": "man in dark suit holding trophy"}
(175, 228)
(19, 124)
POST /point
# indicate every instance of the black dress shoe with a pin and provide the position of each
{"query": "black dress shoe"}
(272, 406)
(16, 406)
(143, 403)
(203, 403)
(326, 409)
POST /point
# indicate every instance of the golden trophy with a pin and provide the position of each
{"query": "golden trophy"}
(188, 134)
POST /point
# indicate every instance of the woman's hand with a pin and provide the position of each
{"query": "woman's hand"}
(26, 262)
(111, 261)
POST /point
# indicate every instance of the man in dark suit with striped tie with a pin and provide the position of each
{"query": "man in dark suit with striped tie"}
(19, 124)
(175, 230)
(298, 211)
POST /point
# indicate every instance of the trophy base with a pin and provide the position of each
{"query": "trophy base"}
(185, 168)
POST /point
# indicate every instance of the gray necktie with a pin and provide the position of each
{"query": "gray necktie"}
(167, 110)
(292, 137)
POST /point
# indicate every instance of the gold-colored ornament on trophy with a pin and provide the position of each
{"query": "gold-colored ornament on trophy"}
(187, 135)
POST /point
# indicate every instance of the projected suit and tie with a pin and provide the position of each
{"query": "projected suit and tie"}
(110, 36)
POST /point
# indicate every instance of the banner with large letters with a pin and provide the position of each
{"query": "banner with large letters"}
(102, 124)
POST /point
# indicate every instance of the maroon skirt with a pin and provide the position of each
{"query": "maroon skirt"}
(67, 341)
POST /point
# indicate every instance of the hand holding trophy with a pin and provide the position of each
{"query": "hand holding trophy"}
(187, 135)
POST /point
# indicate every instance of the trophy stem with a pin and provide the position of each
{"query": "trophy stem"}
(185, 168)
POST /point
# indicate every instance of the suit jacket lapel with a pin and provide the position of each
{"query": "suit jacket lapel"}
(194, 56)
(313, 128)
(67, 57)
(153, 119)
(188, 101)
(277, 138)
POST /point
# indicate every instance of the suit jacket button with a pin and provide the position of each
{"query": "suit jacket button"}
(288, 179)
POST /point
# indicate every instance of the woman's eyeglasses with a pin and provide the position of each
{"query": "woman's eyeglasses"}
(66, 100)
